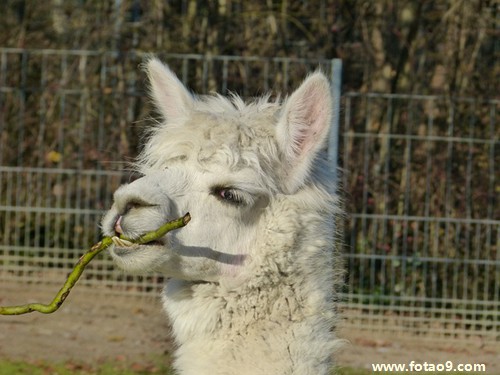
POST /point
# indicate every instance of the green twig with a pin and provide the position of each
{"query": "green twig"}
(82, 263)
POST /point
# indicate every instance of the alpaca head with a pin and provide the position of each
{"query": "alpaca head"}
(225, 162)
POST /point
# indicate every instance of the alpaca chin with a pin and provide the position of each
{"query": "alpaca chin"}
(137, 259)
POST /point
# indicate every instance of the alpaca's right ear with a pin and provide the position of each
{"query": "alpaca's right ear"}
(303, 128)
(169, 94)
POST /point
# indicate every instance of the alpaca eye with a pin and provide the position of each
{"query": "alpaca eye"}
(228, 195)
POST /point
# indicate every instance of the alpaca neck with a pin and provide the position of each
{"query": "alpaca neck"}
(235, 333)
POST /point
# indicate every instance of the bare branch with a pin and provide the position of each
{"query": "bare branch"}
(82, 263)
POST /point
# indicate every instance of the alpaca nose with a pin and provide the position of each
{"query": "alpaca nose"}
(125, 205)
(118, 227)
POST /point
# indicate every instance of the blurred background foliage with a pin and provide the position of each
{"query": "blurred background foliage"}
(446, 47)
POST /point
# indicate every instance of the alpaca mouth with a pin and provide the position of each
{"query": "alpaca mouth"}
(124, 248)
(120, 242)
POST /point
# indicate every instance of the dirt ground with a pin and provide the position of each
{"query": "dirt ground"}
(93, 328)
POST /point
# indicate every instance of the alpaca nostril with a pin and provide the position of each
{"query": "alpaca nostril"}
(118, 227)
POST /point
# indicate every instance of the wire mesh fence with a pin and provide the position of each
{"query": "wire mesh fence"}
(419, 173)
(424, 232)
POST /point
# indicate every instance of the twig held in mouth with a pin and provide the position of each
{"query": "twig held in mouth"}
(82, 263)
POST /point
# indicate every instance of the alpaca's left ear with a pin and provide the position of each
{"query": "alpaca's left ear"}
(303, 128)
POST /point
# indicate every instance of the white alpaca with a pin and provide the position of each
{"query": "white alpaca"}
(253, 277)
